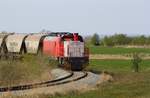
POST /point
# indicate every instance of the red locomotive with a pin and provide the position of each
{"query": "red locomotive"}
(68, 48)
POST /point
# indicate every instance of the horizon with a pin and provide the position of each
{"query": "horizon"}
(101, 35)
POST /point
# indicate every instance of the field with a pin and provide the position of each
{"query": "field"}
(127, 84)
(116, 50)
(118, 65)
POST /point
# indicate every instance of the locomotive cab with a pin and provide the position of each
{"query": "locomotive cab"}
(74, 52)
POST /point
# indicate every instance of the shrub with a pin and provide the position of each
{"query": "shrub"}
(135, 61)
(95, 39)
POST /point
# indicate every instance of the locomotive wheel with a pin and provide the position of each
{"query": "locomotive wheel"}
(60, 60)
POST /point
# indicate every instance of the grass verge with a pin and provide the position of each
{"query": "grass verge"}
(116, 50)
(28, 70)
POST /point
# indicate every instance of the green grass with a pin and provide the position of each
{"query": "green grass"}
(29, 69)
(118, 65)
(116, 50)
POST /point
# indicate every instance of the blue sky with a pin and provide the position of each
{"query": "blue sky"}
(85, 16)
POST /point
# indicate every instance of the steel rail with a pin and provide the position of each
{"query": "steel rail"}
(30, 86)
(44, 84)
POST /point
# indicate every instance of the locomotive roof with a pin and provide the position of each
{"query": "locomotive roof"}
(59, 33)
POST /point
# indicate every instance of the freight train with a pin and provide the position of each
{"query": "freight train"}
(67, 48)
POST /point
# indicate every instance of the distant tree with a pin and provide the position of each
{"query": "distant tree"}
(139, 40)
(108, 41)
(87, 40)
(147, 42)
(120, 39)
(117, 39)
(95, 40)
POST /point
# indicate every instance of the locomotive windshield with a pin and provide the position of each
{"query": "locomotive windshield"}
(71, 38)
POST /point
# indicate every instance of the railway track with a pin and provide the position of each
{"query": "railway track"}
(73, 76)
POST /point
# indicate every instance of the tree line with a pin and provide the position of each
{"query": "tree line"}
(120, 39)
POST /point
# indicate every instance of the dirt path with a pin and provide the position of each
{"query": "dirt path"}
(114, 57)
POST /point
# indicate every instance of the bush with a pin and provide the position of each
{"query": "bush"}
(95, 40)
(135, 61)
(108, 41)
(139, 40)
(122, 39)
(117, 39)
